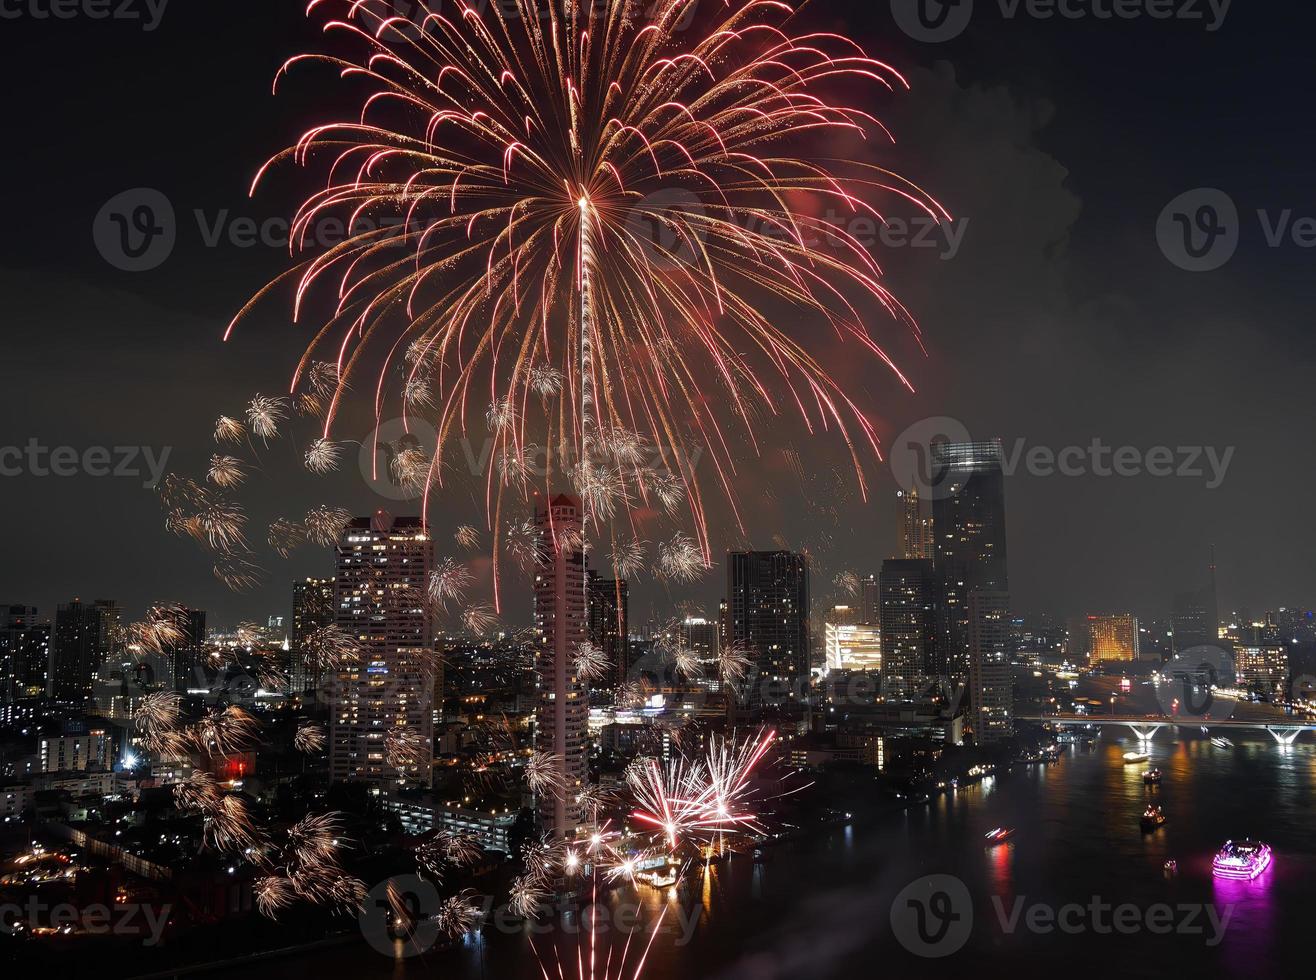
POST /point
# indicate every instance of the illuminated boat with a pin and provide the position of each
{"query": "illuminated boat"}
(997, 835)
(1152, 817)
(1136, 756)
(1243, 859)
(1151, 776)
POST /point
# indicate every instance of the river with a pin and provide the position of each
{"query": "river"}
(1044, 901)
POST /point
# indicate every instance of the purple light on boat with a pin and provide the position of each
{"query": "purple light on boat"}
(1243, 860)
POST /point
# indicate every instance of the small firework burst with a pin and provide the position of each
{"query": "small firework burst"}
(685, 661)
(222, 524)
(226, 471)
(516, 464)
(500, 415)
(157, 713)
(285, 536)
(602, 489)
(409, 468)
(847, 583)
(447, 848)
(404, 748)
(238, 574)
(527, 895)
(331, 647)
(309, 739)
(324, 524)
(225, 731)
(323, 378)
(590, 661)
(458, 914)
(545, 380)
(315, 839)
(308, 404)
(734, 661)
(229, 429)
(626, 448)
(628, 558)
(448, 582)
(593, 799)
(264, 415)
(479, 618)
(273, 894)
(322, 456)
(467, 537)
(679, 560)
(524, 544)
(543, 774)
(666, 487)
(417, 393)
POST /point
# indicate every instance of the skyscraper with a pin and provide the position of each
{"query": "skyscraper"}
(608, 607)
(915, 529)
(562, 714)
(704, 638)
(907, 617)
(83, 638)
(768, 612)
(383, 568)
(870, 600)
(184, 660)
(24, 653)
(990, 685)
(968, 511)
(1195, 615)
(313, 608)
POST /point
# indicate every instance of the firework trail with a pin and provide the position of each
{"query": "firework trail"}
(568, 217)
(310, 739)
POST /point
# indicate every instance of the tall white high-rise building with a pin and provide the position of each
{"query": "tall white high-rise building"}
(561, 621)
(380, 600)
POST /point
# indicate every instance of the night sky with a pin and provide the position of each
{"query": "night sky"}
(1057, 144)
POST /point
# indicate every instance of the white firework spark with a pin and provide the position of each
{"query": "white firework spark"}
(628, 558)
(322, 456)
(467, 537)
(324, 524)
(679, 560)
(448, 582)
(285, 536)
(229, 429)
(590, 661)
(310, 739)
(264, 415)
(226, 471)
(546, 380)
(500, 415)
